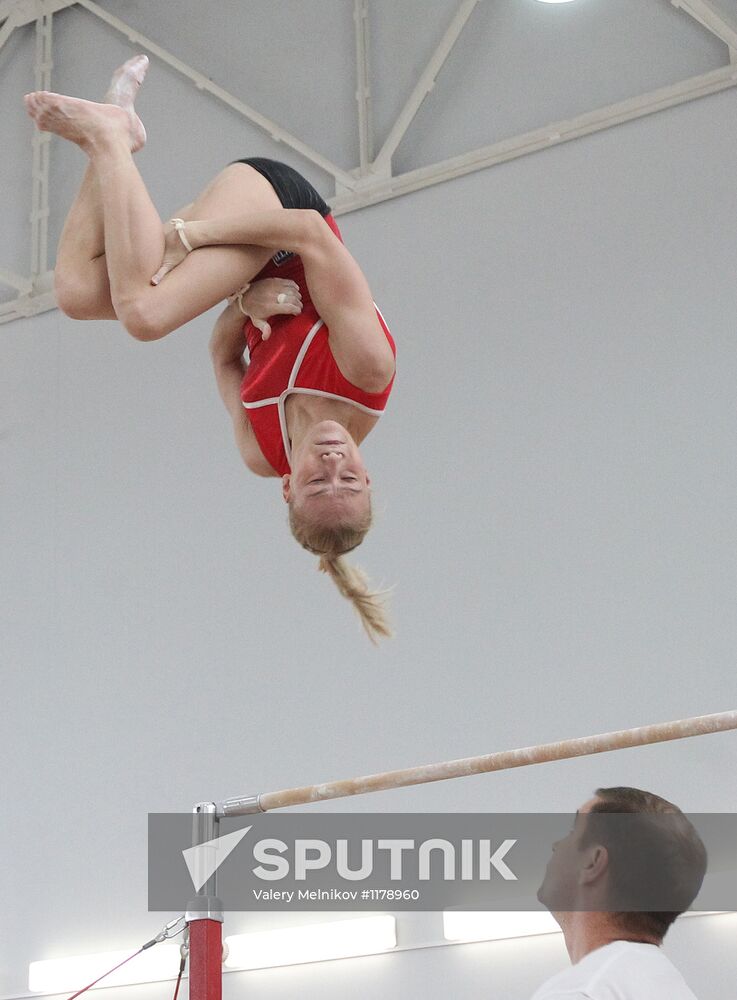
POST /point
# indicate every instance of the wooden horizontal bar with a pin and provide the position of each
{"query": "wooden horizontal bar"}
(503, 760)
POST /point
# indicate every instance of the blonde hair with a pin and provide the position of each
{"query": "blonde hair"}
(331, 542)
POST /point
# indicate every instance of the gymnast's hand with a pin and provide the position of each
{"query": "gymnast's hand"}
(175, 249)
(266, 298)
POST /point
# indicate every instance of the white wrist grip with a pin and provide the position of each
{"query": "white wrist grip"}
(179, 226)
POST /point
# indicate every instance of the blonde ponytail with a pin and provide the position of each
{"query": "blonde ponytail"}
(330, 542)
(354, 586)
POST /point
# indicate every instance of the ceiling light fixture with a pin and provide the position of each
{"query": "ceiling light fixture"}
(61, 975)
(311, 943)
(461, 925)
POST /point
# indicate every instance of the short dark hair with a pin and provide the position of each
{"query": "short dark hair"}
(675, 848)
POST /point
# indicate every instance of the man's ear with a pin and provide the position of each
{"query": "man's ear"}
(595, 865)
(286, 488)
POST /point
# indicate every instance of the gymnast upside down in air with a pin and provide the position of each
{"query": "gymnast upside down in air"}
(314, 386)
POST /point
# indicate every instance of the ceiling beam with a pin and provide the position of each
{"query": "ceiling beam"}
(28, 11)
(542, 138)
(13, 280)
(29, 304)
(371, 187)
(7, 30)
(41, 149)
(277, 133)
(712, 19)
(363, 85)
(382, 163)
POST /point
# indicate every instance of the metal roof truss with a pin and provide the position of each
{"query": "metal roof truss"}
(373, 180)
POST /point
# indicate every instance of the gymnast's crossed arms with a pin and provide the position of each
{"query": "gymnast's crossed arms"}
(336, 284)
(337, 288)
(258, 302)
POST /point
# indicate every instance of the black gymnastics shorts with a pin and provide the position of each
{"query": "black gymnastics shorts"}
(292, 190)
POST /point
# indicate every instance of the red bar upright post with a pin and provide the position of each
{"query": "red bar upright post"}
(205, 959)
(204, 913)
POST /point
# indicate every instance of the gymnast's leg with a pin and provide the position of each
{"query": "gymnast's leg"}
(80, 275)
(133, 236)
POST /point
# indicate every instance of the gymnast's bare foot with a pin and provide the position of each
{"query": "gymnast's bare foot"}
(123, 90)
(85, 123)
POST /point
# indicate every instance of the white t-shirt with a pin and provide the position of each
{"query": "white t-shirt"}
(622, 970)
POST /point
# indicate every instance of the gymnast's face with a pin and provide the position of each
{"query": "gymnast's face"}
(328, 477)
(569, 868)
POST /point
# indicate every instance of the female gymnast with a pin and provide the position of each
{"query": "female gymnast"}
(314, 387)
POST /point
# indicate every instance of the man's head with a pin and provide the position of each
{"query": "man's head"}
(328, 491)
(627, 846)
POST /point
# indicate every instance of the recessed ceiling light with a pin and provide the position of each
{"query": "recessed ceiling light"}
(312, 943)
(555, 1)
(60, 975)
(484, 926)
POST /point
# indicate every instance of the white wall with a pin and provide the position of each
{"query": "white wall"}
(555, 481)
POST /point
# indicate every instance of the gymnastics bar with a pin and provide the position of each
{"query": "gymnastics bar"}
(204, 917)
(563, 750)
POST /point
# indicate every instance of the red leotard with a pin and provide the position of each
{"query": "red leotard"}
(295, 359)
